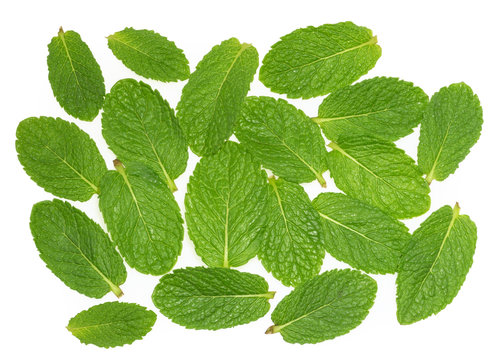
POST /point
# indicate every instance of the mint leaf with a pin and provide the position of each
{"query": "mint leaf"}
(283, 139)
(112, 324)
(435, 265)
(139, 126)
(76, 249)
(142, 217)
(212, 98)
(361, 235)
(451, 126)
(327, 306)
(60, 157)
(292, 241)
(225, 207)
(212, 298)
(387, 108)
(379, 173)
(314, 61)
(75, 76)
(149, 54)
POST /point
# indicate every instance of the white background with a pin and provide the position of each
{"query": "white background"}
(431, 43)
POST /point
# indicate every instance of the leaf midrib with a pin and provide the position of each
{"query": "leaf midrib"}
(321, 120)
(63, 40)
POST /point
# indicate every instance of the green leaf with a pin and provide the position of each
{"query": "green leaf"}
(76, 249)
(112, 324)
(225, 207)
(283, 139)
(149, 54)
(60, 157)
(327, 306)
(292, 242)
(379, 173)
(75, 76)
(451, 126)
(212, 98)
(212, 298)
(140, 126)
(315, 61)
(361, 235)
(142, 217)
(435, 264)
(383, 107)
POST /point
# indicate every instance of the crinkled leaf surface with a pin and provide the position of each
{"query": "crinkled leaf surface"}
(212, 298)
(327, 306)
(76, 249)
(112, 324)
(149, 54)
(75, 76)
(142, 217)
(225, 207)
(213, 96)
(314, 61)
(435, 265)
(283, 139)
(60, 157)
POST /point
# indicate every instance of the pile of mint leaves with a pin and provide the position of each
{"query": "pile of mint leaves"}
(245, 199)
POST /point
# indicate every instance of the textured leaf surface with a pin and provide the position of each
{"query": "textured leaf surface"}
(149, 54)
(387, 108)
(75, 76)
(212, 98)
(60, 157)
(139, 126)
(377, 172)
(435, 265)
(225, 207)
(317, 60)
(142, 217)
(292, 248)
(327, 306)
(76, 249)
(112, 324)
(451, 126)
(212, 298)
(283, 139)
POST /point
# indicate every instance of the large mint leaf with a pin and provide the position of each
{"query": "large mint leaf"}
(314, 61)
(60, 157)
(212, 98)
(149, 54)
(142, 217)
(292, 248)
(76, 249)
(112, 324)
(435, 265)
(75, 76)
(451, 126)
(283, 139)
(140, 126)
(212, 298)
(377, 172)
(361, 235)
(388, 108)
(225, 207)
(327, 306)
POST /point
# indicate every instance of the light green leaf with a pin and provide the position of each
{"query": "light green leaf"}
(76, 249)
(75, 76)
(149, 54)
(213, 96)
(212, 298)
(435, 264)
(60, 157)
(327, 306)
(451, 126)
(225, 207)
